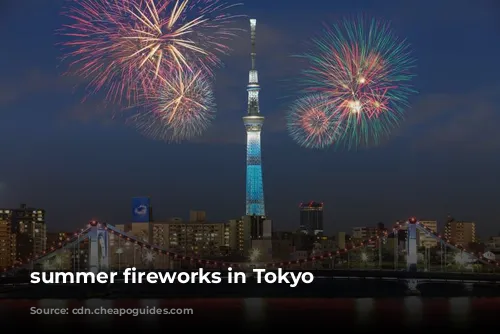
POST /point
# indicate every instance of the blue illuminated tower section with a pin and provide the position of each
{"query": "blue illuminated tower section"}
(253, 124)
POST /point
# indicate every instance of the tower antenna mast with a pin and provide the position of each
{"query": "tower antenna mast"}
(253, 23)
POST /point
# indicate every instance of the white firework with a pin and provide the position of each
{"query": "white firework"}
(148, 257)
(463, 259)
(47, 265)
(254, 254)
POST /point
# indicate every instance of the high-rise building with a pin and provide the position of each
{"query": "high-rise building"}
(195, 238)
(402, 235)
(460, 232)
(197, 216)
(142, 231)
(28, 225)
(240, 240)
(311, 217)
(7, 245)
(54, 239)
(260, 227)
(260, 236)
(80, 256)
(425, 240)
(364, 232)
(253, 123)
(200, 239)
(340, 236)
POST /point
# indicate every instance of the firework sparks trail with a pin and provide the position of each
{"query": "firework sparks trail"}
(121, 45)
(313, 123)
(365, 72)
(181, 108)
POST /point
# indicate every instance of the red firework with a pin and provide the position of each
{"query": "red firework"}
(313, 123)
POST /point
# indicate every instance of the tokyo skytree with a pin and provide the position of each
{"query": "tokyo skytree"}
(253, 123)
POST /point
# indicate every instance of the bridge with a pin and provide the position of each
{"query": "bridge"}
(109, 248)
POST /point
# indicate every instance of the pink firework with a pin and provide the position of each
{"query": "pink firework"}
(182, 107)
(312, 122)
(354, 86)
(121, 45)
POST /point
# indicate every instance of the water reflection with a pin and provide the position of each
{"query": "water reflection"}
(413, 310)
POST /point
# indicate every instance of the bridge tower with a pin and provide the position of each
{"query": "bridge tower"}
(98, 248)
(411, 245)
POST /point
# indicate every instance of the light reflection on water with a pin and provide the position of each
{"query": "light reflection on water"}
(399, 312)
(413, 310)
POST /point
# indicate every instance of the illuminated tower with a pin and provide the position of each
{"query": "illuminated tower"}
(253, 124)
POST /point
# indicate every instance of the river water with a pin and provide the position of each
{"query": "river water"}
(415, 312)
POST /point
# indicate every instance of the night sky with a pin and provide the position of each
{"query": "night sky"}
(76, 162)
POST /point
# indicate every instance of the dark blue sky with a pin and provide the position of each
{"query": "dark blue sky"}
(75, 162)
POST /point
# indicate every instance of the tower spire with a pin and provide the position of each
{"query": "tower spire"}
(253, 77)
(253, 23)
(253, 124)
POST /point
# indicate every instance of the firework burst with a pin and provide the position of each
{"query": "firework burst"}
(313, 123)
(121, 45)
(365, 72)
(148, 257)
(181, 108)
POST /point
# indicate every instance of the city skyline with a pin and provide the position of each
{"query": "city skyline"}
(310, 222)
(74, 161)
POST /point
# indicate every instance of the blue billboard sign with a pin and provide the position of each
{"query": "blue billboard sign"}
(140, 209)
